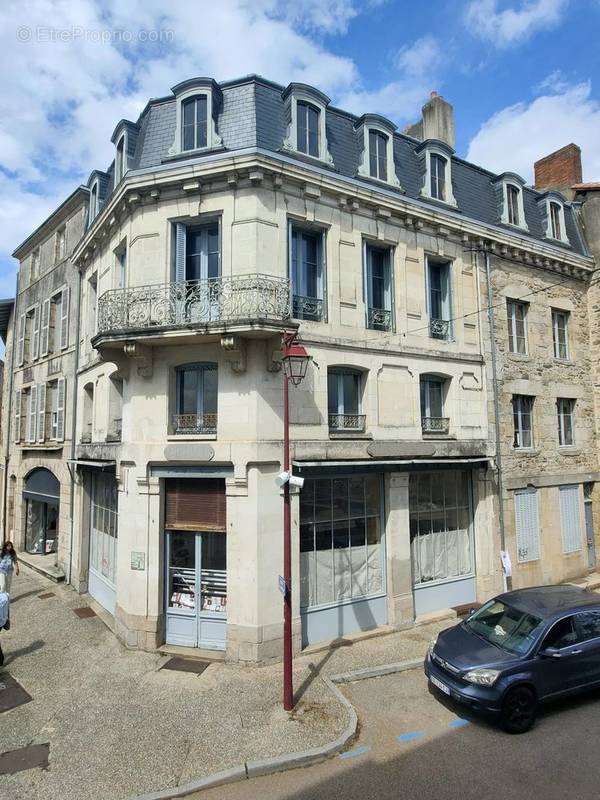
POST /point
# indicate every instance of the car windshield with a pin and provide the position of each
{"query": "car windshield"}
(504, 626)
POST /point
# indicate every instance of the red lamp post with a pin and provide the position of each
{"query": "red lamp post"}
(295, 362)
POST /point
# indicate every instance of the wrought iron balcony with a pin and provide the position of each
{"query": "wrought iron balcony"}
(439, 328)
(378, 319)
(194, 423)
(309, 308)
(183, 304)
(435, 424)
(347, 422)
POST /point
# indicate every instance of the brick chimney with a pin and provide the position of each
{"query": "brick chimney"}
(437, 121)
(560, 170)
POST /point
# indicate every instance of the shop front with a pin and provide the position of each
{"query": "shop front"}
(196, 562)
(441, 539)
(342, 556)
(41, 495)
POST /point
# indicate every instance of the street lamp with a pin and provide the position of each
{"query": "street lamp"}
(295, 362)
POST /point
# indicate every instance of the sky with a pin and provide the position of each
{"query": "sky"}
(522, 75)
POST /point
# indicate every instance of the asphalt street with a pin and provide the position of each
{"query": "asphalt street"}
(415, 745)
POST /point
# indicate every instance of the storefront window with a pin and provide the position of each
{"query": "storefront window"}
(41, 494)
(103, 540)
(440, 522)
(341, 552)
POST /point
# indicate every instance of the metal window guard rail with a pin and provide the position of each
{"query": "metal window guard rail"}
(183, 303)
(194, 423)
(379, 319)
(309, 308)
(435, 424)
(439, 328)
(347, 422)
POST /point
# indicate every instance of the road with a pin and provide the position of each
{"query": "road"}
(413, 746)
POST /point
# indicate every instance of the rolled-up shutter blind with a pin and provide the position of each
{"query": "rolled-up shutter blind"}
(195, 504)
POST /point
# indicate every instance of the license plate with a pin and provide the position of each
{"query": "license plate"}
(441, 686)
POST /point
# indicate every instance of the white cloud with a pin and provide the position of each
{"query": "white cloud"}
(421, 58)
(326, 16)
(517, 136)
(512, 26)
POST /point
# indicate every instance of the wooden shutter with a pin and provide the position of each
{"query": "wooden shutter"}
(41, 424)
(21, 341)
(180, 234)
(527, 525)
(45, 334)
(195, 504)
(35, 338)
(64, 318)
(569, 518)
(61, 394)
(17, 433)
(32, 414)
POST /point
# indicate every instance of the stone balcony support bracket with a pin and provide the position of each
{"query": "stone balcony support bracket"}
(142, 355)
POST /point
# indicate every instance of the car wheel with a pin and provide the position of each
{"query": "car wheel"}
(519, 710)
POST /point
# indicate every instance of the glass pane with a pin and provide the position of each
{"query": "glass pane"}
(213, 576)
(357, 532)
(341, 534)
(307, 538)
(301, 110)
(373, 154)
(356, 492)
(51, 543)
(313, 131)
(350, 393)
(373, 495)
(182, 570)
(307, 501)
(210, 391)
(34, 527)
(340, 498)
(323, 538)
(188, 392)
(201, 138)
(332, 393)
(323, 500)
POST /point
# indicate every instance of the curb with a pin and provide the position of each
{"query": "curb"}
(301, 758)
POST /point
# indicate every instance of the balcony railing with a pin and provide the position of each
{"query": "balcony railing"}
(435, 424)
(194, 423)
(309, 308)
(182, 304)
(439, 328)
(347, 422)
(378, 319)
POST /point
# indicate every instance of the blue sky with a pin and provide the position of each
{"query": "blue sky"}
(522, 76)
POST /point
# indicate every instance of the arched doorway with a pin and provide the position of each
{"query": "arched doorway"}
(41, 494)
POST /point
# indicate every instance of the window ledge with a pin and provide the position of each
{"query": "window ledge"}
(349, 435)
(569, 450)
(191, 437)
(40, 446)
(441, 436)
(519, 356)
(564, 361)
(527, 451)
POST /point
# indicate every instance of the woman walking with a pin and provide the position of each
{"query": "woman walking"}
(8, 565)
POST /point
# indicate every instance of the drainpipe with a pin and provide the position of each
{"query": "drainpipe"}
(74, 426)
(10, 404)
(507, 579)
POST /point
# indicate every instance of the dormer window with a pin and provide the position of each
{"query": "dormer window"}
(553, 217)
(512, 203)
(436, 164)
(198, 102)
(306, 113)
(93, 202)
(376, 137)
(120, 159)
(555, 221)
(509, 196)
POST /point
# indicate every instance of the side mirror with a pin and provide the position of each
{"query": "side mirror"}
(550, 652)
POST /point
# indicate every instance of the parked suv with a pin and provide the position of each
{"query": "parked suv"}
(520, 649)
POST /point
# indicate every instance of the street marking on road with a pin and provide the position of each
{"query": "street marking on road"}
(408, 737)
(358, 751)
(458, 723)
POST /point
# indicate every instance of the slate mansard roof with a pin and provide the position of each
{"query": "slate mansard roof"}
(252, 114)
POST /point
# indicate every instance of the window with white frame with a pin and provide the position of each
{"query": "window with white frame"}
(344, 387)
(570, 518)
(93, 209)
(378, 146)
(378, 285)
(516, 312)
(307, 271)
(527, 525)
(432, 405)
(60, 247)
(555, 221)
(565, 407)
(196, 400)
(306, 108)
(194, 129)
(121, 265)
(439, 299)
(438, 165)
(307, 130)
(553, 210)
(436, 161)
(197, 104)
(120, 158)
(560, 334)
(510, 187)
(54, 334)
(512, 201)
(523, 421)
(376, 137)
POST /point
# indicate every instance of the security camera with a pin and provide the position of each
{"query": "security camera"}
(282, 478)
(296, 481)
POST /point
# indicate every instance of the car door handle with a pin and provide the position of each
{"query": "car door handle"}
(576, 652)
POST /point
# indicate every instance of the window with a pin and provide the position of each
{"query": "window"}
(378, 287)
(378, 143)
(92, 304)
(93, 202)
(104, 525)
(121, 259)
(196, 406)
(307, 119)
(197, 252)
(512, 200)
(527, 525)
(560, 321)
(438, 176)
(517, 326)
(194, 127)
(555, 221)
(562, 634)
(18, 419)
(440, 525)
(28, 342)
(54, 335)
(35, 264)
(60, 245)
(343, 398)
(570, 527)
(566, 422)
(32, 414)
(87, 421)
(120, 159)
(341, 547)
(523, 421)
(438, 298)
(307, 273)
(432, 406)
(588, 624)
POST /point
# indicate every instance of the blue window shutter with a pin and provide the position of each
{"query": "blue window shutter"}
(180, 232)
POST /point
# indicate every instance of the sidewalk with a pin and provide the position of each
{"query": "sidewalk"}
(119, 726)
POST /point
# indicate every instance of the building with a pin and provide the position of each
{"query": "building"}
(236, 211)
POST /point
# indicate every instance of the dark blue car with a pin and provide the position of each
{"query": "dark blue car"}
(520, 649)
